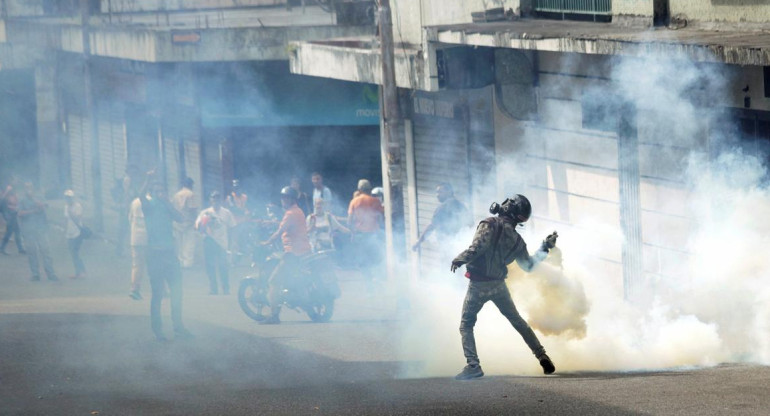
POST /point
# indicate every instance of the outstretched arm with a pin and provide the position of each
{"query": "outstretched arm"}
(481, 242)
(527, 262)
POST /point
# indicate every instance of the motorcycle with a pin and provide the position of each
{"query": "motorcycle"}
(312, 290)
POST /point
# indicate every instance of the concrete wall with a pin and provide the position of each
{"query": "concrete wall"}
(633, 7)
(17, 8)
(410, 16)
(571, 173)
(727, 11)
(122, 6)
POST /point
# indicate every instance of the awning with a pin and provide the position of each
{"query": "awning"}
(359, 60)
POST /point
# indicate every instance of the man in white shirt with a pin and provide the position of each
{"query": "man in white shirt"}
(186, 203)
(320, 191)
(138, 247)
(214, 223)
(73, 213)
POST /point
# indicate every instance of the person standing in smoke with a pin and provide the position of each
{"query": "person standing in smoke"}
(448, 218)
(495, 245)
(34, 228)
(237, 203)
(184, 232)
(303, 201)
(214, 222)
(162, 262)
(321, 191)
(73, 213)
(365, 219)
(138, 248)
(9, 201)
(293, 234)
(124, 195)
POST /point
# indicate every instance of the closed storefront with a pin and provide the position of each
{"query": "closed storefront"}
(451, 143)
(79, 137)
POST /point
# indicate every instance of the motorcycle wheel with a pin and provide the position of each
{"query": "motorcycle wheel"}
(321, 311)
(252, 297)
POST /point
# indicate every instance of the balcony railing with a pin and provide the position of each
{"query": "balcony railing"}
(579, 9)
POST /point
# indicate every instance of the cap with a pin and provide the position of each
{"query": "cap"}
(69, 192)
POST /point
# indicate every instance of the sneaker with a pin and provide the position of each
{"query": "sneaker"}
(470, 372)
(53, 278)
(3, 252)
(35, 278)
(135, 295)
(160, 337)
(547, 364)
(22, 251)
(183, 334)
(272, 320)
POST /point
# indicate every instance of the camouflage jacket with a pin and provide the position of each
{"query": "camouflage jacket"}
(495, 245)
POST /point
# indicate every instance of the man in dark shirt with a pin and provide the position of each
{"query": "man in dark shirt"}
(34, 228)
(448, 218)
(496, 244)
(162, 262)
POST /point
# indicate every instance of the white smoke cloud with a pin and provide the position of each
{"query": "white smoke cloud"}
(717, 310)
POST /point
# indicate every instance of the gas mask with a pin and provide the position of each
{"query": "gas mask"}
(517, 208)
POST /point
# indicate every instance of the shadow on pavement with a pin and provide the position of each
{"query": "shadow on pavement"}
(79, 364)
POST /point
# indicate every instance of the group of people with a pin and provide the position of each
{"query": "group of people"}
(26, 221)
(163, 234)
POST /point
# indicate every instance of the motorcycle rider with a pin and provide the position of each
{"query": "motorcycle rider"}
(495, 245)
(293, 234)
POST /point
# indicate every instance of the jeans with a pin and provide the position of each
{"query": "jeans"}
(37, 249)
(163, 269)
(287, 269)
(74, 246)
(216, 259)
(480, 293)
(12, 229)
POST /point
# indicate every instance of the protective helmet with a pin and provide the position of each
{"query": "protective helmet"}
(518, 208)
(378, 192)
(289, 192)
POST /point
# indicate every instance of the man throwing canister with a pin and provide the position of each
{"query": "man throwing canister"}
(495, 245)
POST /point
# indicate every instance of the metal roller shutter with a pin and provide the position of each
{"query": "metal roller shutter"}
(212, 167)
(172, 163)
(192, 161)
(112, 148)
(441, 155)
(78, 134)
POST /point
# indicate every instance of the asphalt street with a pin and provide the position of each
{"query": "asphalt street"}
(82, 347)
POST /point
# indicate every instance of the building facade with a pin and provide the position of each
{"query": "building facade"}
(188, 88)
(597, 111)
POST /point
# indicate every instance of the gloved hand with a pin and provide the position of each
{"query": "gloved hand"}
(456, 264)
(550, 241)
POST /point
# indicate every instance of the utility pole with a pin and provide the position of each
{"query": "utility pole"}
(390, 144)
(90, 104)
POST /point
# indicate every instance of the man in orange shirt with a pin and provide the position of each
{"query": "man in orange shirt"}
(293, 233)
(365, 217)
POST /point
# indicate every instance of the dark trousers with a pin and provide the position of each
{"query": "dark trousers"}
(480, 293)
(74, 246)
(163, 269)
(216, 259)
(12, 229)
